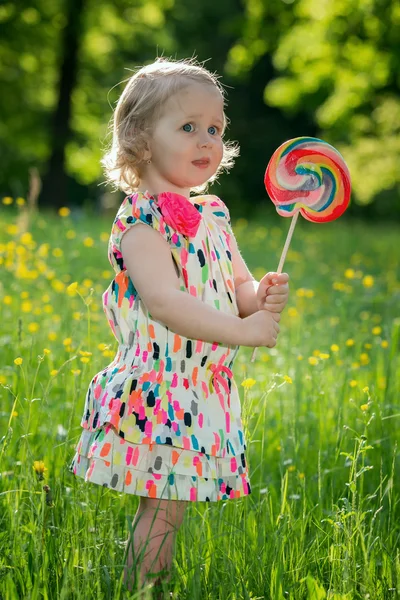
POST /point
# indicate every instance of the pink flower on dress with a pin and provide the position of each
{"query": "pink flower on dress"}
(179, 213)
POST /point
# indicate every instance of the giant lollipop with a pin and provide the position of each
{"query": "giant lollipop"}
(308, 176)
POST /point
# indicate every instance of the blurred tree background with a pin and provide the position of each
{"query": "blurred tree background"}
(291, 67)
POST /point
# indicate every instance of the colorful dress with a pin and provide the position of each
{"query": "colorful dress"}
(163, 419)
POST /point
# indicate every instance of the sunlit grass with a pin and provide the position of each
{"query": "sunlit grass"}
(321, 415)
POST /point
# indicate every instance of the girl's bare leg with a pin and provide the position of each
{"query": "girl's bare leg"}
(151, 550)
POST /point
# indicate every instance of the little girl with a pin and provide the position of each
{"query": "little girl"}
(163, 420)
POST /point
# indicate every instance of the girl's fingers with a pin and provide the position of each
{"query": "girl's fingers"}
(278, 289)
(273, 307)
(275, 299)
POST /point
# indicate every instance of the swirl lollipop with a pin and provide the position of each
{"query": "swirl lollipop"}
(308, 176)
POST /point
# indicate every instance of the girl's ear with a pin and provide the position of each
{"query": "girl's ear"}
(147, 148)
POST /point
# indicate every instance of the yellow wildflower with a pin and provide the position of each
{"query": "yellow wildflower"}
(349, 273)
(88, 242)
(7, 300)
(335, 348)
(366, 389)
(52, 336)
(85, 359)
(324, 356)
(248, 383)
(349, 342)
(58, 285)
(104, 237)
(353, 383)
(39, 468)
(46, 351)
(368, 281)
(106, 274)
(364, 358)
(3, 379)
(301, 475)
(316, 353)
(64, 211)
(76, 372)
(26, 238)
(364, 407)
(26, 306)
(33, 327)
(67, 341)
(300, 357)
(71, 289)
(313, 360)
(368, 346)
(376, 330)
(7, 200)
(20, 201)
(53, 372)
(18, 361)
(287, 379)
(12, 229)
(57, 252)
(291, 468)
(293, 312)
(384, 343)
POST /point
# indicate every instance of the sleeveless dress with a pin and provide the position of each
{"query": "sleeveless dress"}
(163, 419)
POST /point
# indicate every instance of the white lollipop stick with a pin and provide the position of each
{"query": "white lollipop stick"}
(283, 258)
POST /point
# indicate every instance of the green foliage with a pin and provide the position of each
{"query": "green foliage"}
(292, 67)
(340, 63)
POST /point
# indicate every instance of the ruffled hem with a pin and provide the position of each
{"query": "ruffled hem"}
(157, 471)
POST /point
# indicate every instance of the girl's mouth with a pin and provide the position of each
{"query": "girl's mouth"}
(202, 163)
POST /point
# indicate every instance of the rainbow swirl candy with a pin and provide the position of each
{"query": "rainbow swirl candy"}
(308, 175)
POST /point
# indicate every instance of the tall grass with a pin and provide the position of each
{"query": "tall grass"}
(321, 414)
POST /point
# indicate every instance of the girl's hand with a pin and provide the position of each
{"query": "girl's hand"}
(273, 292)
(261, 329)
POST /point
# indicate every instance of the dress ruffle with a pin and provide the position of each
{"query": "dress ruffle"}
(157, 470)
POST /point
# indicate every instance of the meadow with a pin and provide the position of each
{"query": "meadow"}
(321, 412)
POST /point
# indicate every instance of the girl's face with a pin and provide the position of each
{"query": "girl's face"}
(186, 144)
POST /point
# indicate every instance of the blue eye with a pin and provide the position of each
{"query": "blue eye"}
(187, 125)
(213, 132)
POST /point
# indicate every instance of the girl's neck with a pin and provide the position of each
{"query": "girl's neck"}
(157, 186)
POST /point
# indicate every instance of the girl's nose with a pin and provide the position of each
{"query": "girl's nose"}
(204, 140)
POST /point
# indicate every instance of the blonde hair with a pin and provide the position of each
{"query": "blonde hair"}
(138, 108)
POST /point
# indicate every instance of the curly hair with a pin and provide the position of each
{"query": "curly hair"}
(137, 110)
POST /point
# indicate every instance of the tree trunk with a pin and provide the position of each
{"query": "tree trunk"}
(55, 181)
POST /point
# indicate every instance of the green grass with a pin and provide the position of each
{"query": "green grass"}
(323, 518)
